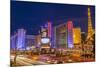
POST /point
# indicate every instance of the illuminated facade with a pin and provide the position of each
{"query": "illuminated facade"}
(21, 39)
(29, 41)
(50, 34)
(89, 46)
(44, 32)
(44, 37)
(64, 35)
(70, 34)
(47, 35)
(90, 29)
(37, 40)
(60, 36)
(13, 42)
(76, 36)
(49, 29)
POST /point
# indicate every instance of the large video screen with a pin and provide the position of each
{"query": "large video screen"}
(45, 40)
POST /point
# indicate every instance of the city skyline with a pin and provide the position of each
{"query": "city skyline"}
(31, 15)
(51, 33)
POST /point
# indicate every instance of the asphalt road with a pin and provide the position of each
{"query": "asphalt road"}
(24, 61)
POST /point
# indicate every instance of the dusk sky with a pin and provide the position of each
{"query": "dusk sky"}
(31, 15)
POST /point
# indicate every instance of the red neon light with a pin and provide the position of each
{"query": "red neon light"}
(70, 25)
(49, 29)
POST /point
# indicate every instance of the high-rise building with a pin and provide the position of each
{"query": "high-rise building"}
(51, 34)
(45, 39)
(70, 34)
(53, 38)
(64, 35)
(77, 36)
(21, 39)
(47, 35)
(60, 37)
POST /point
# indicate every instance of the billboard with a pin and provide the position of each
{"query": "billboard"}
(45, 40)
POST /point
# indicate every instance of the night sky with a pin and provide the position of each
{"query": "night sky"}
(31, 15)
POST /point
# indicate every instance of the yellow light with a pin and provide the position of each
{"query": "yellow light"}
(77, 35)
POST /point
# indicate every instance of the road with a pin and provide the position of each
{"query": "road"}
(24, 61)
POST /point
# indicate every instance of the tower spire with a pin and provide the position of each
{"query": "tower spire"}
(90, 29)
